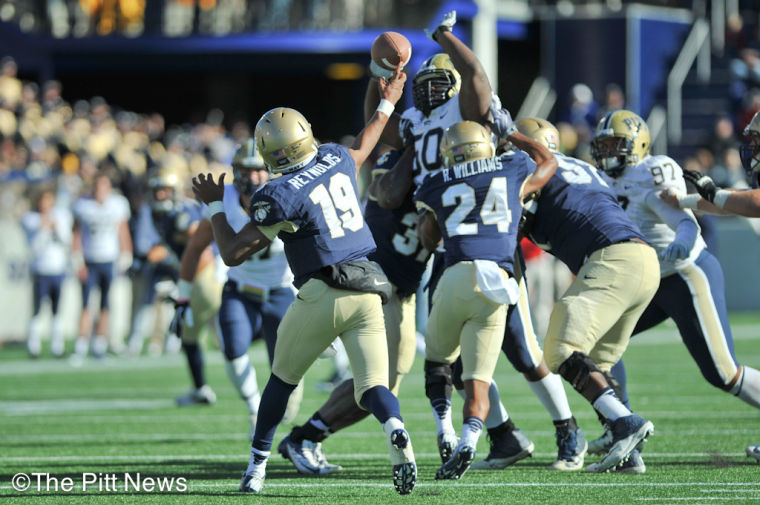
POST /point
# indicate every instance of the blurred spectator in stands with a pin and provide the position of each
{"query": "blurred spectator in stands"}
(583, 108)
(10, 86)
(614, 99)
(736, 40)
(48, 231)
(51, 96)
(750, 104)
(723, 137)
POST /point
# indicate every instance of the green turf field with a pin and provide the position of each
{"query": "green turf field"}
(117, 417)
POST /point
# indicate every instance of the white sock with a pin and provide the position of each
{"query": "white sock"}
(243, 377)
(610, 406)
(471, 432)
(57, 343)
(551, 393)
(443, 420)
(392, 424)
(497, 414)
(81, 346)
(33, 342)
(99, 345)
(258, 460)
(749, 384)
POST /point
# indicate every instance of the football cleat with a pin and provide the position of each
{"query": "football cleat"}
(321, 459)
(201, 396)
(628, 434)
(633, 465)
(506, 449)
(253, 480)
(572, 446)
(402, 458)
(300, 454)
(602, 444)
(459, 463)
(753, 451)
(447, 443)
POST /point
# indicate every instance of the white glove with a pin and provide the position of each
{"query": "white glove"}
(446, 24)
(676, 250)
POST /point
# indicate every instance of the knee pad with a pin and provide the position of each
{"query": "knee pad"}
(576, 370)
(437, 379)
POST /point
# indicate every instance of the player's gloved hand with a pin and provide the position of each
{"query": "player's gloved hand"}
(704, 184)
(183, 316)
(675, 251)
(446, 24)
(134, 269)
(501, 122)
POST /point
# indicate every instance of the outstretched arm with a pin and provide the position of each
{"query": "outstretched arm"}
(546, 163)
(475, 94)
(390, 92)
(234, 248)
(390, 135)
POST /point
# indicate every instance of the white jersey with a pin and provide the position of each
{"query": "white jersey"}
(50, 247)
(267, 268)
(99, 225)
(638, 190)
(426, 133)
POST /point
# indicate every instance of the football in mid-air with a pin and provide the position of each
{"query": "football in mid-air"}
(389, 50)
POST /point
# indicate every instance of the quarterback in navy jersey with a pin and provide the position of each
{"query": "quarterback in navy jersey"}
(578, 220)
(314, 209)
(256, 294)
(403, 258)
(692, 290)
(469, 204)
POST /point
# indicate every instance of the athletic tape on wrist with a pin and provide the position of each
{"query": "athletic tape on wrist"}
(386, 107)
(216, 207)
(689, 201)
(720, 198)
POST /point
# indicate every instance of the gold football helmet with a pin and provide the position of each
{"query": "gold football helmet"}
(540, 130)
(284, 140)
(750, 151)
(166, 185)
(621, 139)
(435, 83)
(466, 141)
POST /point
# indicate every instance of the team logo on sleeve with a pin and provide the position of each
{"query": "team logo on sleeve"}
(261, 210)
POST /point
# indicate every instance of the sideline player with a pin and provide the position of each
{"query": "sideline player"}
(48, 231)
(101, 239)
(578, 220)
(314, 209)
(721, 201)
(257, 292)
(469, 204)
(451, 87)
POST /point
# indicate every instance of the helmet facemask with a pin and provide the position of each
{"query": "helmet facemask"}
(432, 88)
(613, 154)
(749, 152)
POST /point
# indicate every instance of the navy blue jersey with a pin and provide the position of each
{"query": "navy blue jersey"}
(399, 250)
(478, 207)
(316, 213)
(578, 214)
(173, 226)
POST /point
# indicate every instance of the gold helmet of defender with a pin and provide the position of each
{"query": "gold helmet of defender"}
(621, 139)
(466, 141)
(284, 140)
(750, 151)
(540, 130)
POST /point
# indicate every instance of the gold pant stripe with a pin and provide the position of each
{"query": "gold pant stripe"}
(709, 321)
